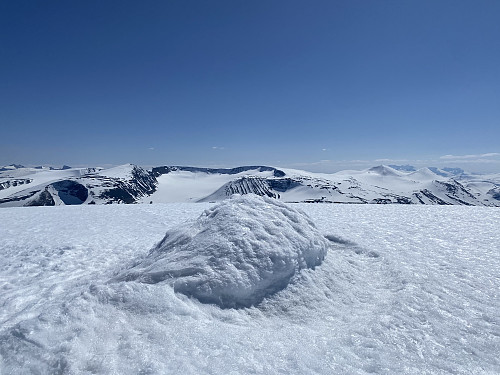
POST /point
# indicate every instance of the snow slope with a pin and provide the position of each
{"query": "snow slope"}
(404, 289)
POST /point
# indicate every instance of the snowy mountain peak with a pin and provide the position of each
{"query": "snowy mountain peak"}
(384, 170)
(423, 174)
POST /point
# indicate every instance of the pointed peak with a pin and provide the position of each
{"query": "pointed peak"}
(384, 170)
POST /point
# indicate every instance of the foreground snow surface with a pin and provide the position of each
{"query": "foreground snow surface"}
(403, 289)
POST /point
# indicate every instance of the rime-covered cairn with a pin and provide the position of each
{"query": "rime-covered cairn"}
(235, 254)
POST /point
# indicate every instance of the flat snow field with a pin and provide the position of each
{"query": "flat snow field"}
(402, 289)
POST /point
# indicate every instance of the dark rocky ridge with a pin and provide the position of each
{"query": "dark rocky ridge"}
(43, 199)
(142, 183)
(11, 167)
(15, 182)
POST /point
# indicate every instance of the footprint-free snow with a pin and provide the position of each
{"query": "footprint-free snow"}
(235, 254)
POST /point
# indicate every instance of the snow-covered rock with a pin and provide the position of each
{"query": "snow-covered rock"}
(235, 254)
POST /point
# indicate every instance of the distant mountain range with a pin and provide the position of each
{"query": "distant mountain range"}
(47, 186)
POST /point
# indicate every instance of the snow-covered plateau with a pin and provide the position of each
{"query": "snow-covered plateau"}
(402, 289)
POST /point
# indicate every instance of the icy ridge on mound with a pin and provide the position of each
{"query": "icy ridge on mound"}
(235, 254)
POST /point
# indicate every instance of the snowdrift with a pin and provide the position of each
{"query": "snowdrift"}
(235, 254)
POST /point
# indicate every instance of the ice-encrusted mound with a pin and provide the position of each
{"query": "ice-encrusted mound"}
(236, 253)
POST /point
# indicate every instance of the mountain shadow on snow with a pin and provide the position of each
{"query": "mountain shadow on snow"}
(235, 254)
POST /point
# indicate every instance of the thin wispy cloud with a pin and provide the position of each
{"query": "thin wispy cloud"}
(350, 163)
(217, 148)
(491, 161)
(327, 162)
(464, 157)
(391, 160)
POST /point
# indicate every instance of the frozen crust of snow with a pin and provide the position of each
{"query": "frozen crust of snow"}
(405, 289)
(235, 254)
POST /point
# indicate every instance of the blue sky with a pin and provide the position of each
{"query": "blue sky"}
(317, 85)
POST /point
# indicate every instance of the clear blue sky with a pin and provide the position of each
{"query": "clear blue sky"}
(310, 84)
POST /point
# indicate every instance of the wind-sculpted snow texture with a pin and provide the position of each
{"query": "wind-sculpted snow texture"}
(404, 289)
(236, 253)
